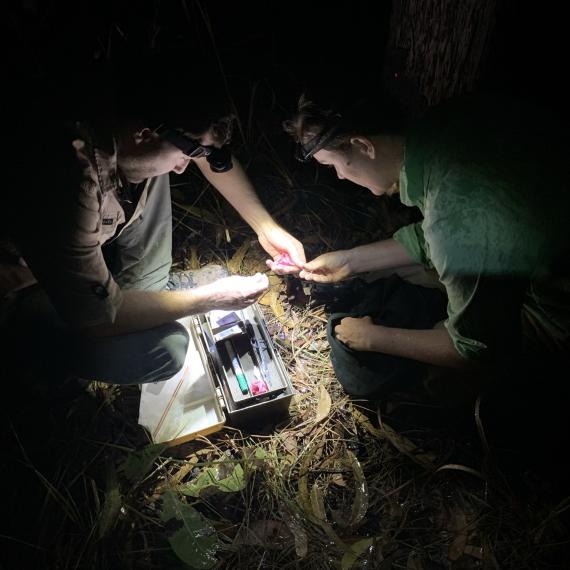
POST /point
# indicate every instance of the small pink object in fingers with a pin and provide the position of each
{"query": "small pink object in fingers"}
(285, 259)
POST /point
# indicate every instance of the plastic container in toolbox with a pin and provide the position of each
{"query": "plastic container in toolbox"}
(209, 390)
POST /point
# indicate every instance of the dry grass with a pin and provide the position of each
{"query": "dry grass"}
(332, 486)
(335, 485)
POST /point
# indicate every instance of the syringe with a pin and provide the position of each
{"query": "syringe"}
(237, 368)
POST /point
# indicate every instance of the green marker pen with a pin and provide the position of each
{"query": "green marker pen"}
(237, 368)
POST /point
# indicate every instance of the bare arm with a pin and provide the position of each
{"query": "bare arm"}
(385, 254)
(141, 310)
(431, 346)
(338, 265)
(235, 186)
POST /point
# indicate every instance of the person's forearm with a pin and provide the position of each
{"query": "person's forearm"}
(141, 310)
(385, 254)
(432, 346)
(235, 186)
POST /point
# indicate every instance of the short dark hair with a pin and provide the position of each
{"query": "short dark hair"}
(326, 119)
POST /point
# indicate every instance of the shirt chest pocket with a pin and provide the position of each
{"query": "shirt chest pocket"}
(112, 216)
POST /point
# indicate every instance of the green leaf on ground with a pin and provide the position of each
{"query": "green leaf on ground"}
(141, 461)
(356, 550)
(222, 478)
(111, 506)
(192, 539)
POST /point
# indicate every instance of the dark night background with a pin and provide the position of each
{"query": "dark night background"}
(268, 52)
(275, 44)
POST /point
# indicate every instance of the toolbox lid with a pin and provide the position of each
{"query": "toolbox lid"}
(185, 406)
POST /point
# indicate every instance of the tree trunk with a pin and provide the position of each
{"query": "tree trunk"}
(436, 49)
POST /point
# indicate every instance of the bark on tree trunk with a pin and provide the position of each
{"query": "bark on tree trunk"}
(436, 49)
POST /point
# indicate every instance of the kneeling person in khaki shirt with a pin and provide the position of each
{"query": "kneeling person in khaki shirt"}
(98, 241)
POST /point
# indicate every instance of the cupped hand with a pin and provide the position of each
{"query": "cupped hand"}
(287, 252)
(236, 292)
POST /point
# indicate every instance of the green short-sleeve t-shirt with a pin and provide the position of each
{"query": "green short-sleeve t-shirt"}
(491, 178)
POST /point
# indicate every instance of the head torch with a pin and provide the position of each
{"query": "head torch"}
(331, 128)
(219, 159)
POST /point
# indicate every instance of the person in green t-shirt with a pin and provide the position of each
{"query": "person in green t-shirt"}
(490, 178)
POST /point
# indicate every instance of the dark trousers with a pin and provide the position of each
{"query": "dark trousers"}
(140, 258)
(391, 302)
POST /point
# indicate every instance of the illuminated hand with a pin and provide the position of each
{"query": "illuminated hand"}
(287, 252)
(235, 292)
(328, 268)
(356, 333)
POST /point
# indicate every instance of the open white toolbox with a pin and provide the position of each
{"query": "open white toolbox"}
(232, 374)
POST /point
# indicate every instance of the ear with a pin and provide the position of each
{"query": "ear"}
(142, 136)
(364, 145)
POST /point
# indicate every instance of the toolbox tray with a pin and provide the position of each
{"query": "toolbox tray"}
(202, 397)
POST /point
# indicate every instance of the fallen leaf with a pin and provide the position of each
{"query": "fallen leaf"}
(318, 503)
(270, 534)
(360, 505)
(338, 479)
(216, 479)
(138, 463)
(296, 528)
(271, 299)
(324, 405)
(401, 443)
(194, 261)
(111, 506)
(191, 537)
(458, 526)
(290, 443)
(275, 281)
(355, 552)
(234, 264)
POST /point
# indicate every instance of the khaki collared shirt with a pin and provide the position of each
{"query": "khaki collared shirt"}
(77, 203)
